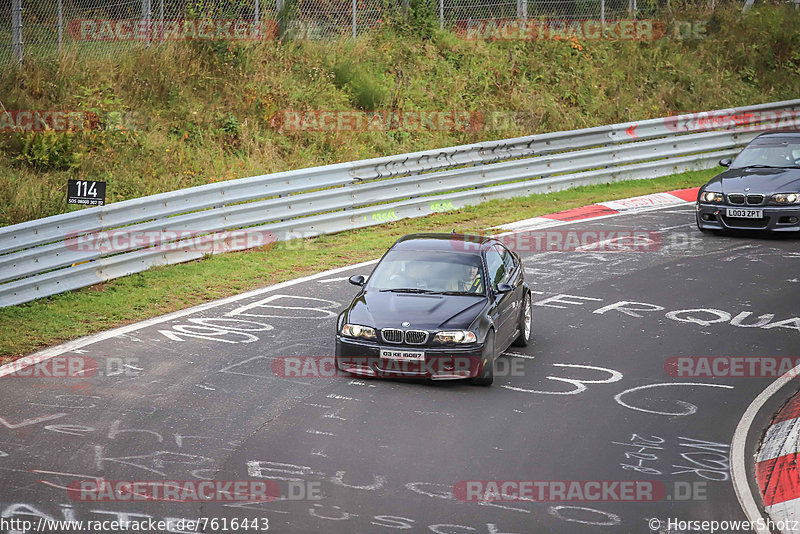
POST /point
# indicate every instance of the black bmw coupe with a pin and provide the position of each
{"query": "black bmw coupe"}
(437, 306)
(759, 191)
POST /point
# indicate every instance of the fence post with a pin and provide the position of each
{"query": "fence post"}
(355, 2)
(280, 15)
(603, 18)
(441, 14)
(161, 21)
(16, 32)
(523, 4)
(146, 20)
(60, 25)
(256, 14)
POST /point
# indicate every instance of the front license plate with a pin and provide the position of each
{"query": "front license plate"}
(403, 355)
(744, 214)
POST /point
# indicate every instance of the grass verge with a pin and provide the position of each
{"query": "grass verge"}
(28, 327)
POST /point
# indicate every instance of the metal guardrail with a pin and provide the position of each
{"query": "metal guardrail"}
(36, 258)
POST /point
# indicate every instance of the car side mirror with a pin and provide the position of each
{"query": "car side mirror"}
(357, 280)
(725, 162)
(503, 288)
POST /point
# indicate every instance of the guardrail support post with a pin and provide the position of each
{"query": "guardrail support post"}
(16, 32)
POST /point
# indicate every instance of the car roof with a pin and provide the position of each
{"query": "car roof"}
(780, 133)
(464, 243)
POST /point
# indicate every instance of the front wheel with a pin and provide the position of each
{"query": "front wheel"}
(487, 374)
(525, 323)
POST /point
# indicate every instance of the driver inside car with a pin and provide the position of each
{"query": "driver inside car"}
(415, 274)
(472, 281)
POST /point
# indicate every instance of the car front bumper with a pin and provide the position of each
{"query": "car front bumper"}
(775, 218)
(441, 363)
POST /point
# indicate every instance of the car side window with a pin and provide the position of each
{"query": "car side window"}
(495, 266)
(508, 262)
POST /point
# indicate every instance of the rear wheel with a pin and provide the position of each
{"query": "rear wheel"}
(487, 375)
(525, 323)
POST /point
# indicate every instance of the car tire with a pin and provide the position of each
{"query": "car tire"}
(487, 374)
(525, 323)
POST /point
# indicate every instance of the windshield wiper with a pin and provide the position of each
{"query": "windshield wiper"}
(408, 290)
(463, 293)
(760, 167)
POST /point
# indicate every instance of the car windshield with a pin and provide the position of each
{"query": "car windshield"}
(769, 152)
(413, 271)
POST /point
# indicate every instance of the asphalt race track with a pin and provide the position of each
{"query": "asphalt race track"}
(195, 397)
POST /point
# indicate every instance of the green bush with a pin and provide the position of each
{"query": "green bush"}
(46, 150)
(369, 92)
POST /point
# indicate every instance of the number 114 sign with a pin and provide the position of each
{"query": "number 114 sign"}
(86, 192)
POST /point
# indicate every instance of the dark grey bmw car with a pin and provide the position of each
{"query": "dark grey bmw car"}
(759, 191)
(436, 306)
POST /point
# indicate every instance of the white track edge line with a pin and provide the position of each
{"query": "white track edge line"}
(738, 455)
(50, 352)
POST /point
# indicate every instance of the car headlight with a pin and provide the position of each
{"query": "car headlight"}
(455, 336)
(708, 196)
(786, 198)
(356, 330)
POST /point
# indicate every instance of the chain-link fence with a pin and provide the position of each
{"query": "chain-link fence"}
(40, 27)
(37, 28)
